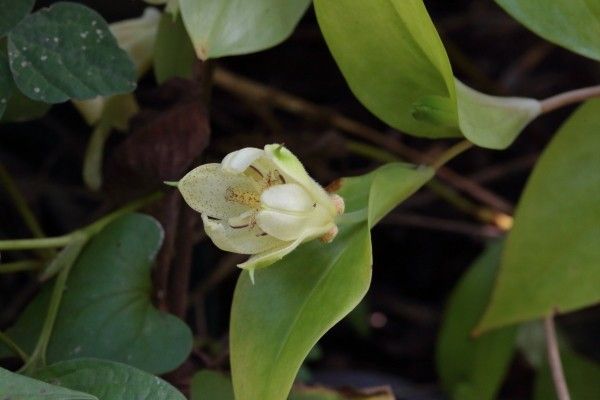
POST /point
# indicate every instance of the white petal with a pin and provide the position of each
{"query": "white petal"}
(293, 170)
(243, 240)
(238, 161)
(288, 197)
(282, 226)
(205, 190)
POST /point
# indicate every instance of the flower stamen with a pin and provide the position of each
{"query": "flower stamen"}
(247, 198)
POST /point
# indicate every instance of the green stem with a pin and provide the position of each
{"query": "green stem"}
(41, 243)
(452, 152)
(13, 346)
(19, 266)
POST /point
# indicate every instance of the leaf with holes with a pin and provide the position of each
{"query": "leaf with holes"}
(67, 51)
(233, 27)
(278, 320)
(107, 311)
(108, 380)
(573, 24)
(473, 368)
(13, 11)
(552, 254)
(18, 387)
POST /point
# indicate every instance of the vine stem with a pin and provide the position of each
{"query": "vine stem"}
(13, 346)
(451, 152)
(558, 375)
(567, 98)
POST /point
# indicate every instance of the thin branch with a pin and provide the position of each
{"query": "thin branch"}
(452, 152)
(247, 88)
(558, 375)
(4, 338)
(20, 266)
(568, 98)
(444, 225)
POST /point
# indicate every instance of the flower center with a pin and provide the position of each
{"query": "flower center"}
(245, 197)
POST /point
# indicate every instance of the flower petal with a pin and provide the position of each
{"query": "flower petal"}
(288, 197)
(242, 240)
(238, 161)
(205, 190)
(292, 168)
(280, 225)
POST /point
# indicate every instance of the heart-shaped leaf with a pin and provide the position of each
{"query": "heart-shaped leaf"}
(278, 320)
(552, 254)
(67, 51)
(233, 27)
(574, 24)
(13, 11)
(19, 387)
(473, 368)
(108, 380)
(395, 63)
(106, 311)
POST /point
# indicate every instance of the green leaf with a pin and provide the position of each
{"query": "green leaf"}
(552, 253)
(392, 57)
(574, 24)
(67, 51)
(18, 387)
(473, 368)
(107, 310)
(6, 83)
(582, 376)
(13, 11)
(21, 108)
(211, 385)
(395, 63)
(277, 321)
(233, 27)
(108, 380)
(174, 54)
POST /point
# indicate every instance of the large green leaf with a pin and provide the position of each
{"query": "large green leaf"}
(107, 310)
(13, 11)
(67, 51)
(552, 254)
(582, 376)
(108, 380)
(174, 54)
(277, 321)
(230, 27)
(395, 63)
(574, 24)
(6, 84)
(473, 368)
(19, 387)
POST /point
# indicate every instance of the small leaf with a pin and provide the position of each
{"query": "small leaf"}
(18, 387)
(574, 24)
(174, 54)
(473, 368)
(582, 376)
(211, 385)
(552, 254)
(13, 11)
(395, 63)
(108, 380)
(233, 27)
(278, 320)
(67, 51)
(107, 310)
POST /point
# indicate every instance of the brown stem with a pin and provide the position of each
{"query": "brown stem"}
(568, 98)
(256, 91)
(558, 375)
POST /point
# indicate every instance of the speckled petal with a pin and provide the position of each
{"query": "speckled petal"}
(205, 190)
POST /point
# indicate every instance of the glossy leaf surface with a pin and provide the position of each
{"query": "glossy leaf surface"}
(18, 387)
(231, 27)
(553, 251)
(574, 24)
